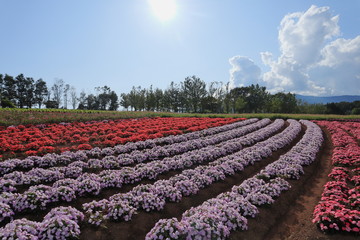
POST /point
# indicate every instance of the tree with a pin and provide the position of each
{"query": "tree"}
(66, 90)
(92, 102)
(283, 103)
(6, 103)
(150, 100)
(194, 90)
(1, 88)
(73, 97)
(40, 92)
(58, 89)
(20, 83)
(237, 99)
(208, 104)
(217, 90)
(24, 91)
(172, 98)
(137, 98)
(103, 97)
(9, 85)
(29, 92)
(51, 104)
(114, 101)
(158, 99)
(257, 98)
(227, 98)
(124, 101)
(82, 100)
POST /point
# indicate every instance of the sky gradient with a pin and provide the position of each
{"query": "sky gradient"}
(306, 47)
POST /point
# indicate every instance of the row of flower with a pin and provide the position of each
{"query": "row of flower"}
(44, 138)
(339, 207)
(77, 168)
(217, 217)
(154, 196)
(60, 223)
(132, 148)
(40, 196)
(63, 225)
(353, 128)
(28, 230)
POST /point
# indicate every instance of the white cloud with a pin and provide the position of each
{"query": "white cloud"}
(310, 61)
(243, 71)
(339, 67)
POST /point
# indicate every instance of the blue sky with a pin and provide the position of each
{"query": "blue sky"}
(121, 43)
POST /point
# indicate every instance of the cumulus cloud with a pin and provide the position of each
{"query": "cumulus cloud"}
(243, 71)
(313, 60)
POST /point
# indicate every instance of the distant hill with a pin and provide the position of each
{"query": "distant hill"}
(324, 100)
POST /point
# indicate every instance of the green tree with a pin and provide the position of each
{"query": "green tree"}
(9, 88)
(257, 98)
(172, 100)
(124, 100)
(103, 97)
(92, 102)
(82, 100)
(217, 90)
(24, 91)
(51, 104)
(40, 92)
(6, 103)
(150, 100)
(283, 103)
(159, 96)
(208, 104)
(193, 90)
(114, 101)
(1, 87)
(137, 98)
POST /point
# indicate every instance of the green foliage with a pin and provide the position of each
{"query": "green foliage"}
(283, 103)
(193, 90)
(355, 111)
(40, 92)
(51, 104)
(6, 103)
(192, 95)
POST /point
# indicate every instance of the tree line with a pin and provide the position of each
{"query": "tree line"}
(25, 92)
(191, 95)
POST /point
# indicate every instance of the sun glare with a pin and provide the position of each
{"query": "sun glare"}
(163, 9)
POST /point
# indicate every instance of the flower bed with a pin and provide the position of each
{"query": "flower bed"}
(77, 168)
(217, 217)
(339, 207)
(47, 138)
(154, 196)
(132, 148)
(92, 184)
(199, 159)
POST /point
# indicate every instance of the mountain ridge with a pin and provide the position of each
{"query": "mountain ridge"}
(327, 99)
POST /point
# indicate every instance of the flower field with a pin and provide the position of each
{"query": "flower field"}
(339, 207)
(49, 138)
(172, 178)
